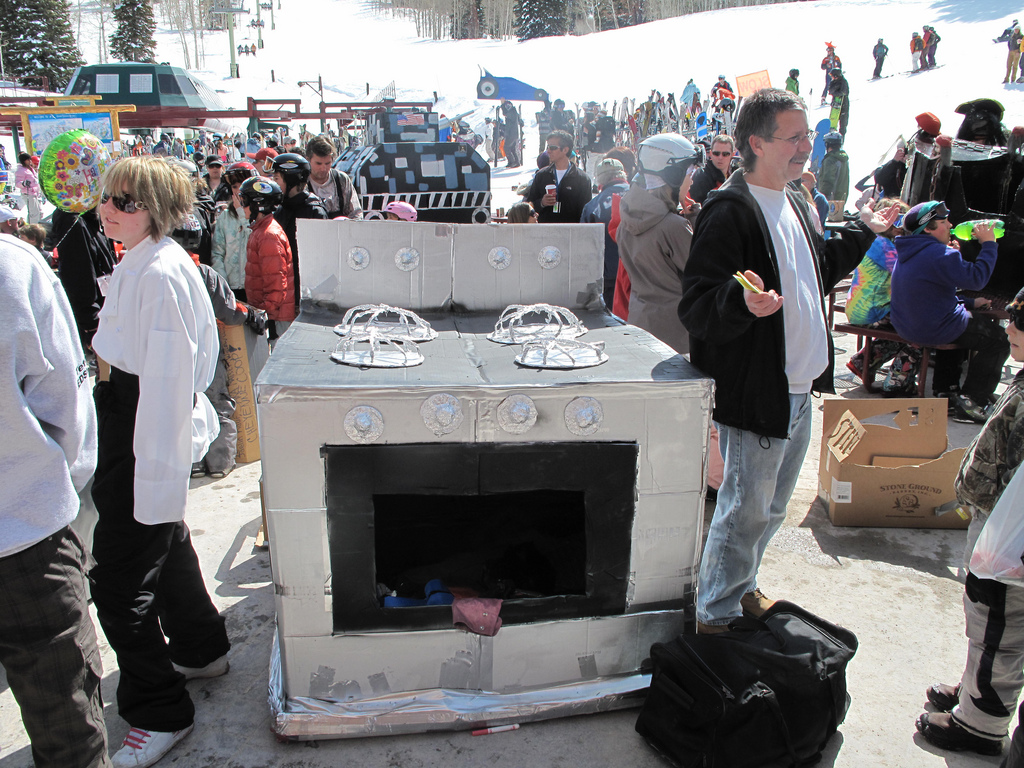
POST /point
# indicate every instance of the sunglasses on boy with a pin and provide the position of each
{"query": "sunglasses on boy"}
(124, 203)
(1015, 310)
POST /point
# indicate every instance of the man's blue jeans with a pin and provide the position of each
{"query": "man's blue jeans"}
(760, 475)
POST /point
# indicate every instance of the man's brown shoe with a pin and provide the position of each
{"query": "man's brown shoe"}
(711, 629)
(754, 604)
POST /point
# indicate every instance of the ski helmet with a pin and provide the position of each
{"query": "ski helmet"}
(294, 169)
(239, 172)
(189, 234)
(833, 140)
(186, 165)
(669, 156)
(260, 195)
(402, 210)
(794, 73)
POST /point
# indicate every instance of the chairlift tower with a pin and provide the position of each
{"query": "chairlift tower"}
(259, 26)
(231, 11)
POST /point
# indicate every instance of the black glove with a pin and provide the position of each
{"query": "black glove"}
(257, 320)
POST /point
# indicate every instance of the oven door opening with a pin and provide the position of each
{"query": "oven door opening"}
(513, 546)
(545, 527)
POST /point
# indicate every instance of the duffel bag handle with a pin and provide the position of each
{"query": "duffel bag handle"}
(760, 689)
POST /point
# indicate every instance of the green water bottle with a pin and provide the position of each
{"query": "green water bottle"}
(964, 230)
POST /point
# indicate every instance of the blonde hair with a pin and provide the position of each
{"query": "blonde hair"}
(165, 190)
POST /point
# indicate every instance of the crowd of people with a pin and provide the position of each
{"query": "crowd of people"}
(717, 246)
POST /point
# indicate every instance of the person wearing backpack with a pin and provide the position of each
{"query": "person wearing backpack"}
(332, 186)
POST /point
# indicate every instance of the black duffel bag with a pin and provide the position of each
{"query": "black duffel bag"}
(769, 693)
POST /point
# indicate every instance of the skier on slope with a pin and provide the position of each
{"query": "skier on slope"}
(829, 63)
(879, 52)
(916, 51)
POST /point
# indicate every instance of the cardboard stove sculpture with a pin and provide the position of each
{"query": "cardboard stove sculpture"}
(576, 496)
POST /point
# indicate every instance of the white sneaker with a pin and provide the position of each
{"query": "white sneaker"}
(144, 748)
(215, 668)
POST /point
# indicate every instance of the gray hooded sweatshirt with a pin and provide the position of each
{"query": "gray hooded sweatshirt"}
(654, 244)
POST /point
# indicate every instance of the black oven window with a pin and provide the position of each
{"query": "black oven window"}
(513, 546)
(546, 527)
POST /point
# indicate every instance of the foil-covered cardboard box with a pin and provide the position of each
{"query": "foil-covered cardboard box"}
(577, 494)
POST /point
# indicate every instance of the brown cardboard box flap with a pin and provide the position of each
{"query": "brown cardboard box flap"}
(894, 472)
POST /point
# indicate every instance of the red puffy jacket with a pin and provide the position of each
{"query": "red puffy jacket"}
(269, 276)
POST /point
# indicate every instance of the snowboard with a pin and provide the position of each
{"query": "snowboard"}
(818, 150)
(837, 110)
(702, 125)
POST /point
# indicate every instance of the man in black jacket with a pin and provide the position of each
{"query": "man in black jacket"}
(291, 172)
(572, 188)
(767, 349)
(714, 173)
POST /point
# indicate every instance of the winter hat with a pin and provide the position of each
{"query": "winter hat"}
(929, 123)
(262, 155)
(609, 170)
(917, 218)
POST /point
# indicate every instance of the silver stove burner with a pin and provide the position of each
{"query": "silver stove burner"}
(389, 322)
(563, 354)
(559, 323)
(375, 350)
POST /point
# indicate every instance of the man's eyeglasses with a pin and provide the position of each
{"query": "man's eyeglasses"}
(810, 136)
(721, 154)
(553, 148)
(124, 203)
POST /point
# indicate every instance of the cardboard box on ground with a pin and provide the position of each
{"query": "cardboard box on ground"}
(245, 353)
(886, 463)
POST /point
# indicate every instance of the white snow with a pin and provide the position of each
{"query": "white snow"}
(350, 46)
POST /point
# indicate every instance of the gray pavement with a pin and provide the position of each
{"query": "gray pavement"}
(899, 590)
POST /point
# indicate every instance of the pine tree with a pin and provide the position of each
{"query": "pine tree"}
(133, 38)
(38, 42)
(541, 18)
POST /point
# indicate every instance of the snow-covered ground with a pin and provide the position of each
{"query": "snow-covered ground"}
(350, 47)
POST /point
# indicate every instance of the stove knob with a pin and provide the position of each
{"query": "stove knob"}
(358, 258)
(549, 257)
(583, 416)
(407, 259)
(442, 414)
(500, 257)
(517, 414)
(364, 424)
